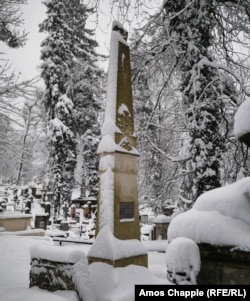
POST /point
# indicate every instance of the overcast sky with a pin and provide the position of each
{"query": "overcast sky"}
(26, 60)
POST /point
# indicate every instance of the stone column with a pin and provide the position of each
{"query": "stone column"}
(118, 210)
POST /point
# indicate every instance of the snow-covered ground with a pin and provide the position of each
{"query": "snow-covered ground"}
(15, 268)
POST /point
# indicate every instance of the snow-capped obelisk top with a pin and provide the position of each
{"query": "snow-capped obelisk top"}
(118, 126)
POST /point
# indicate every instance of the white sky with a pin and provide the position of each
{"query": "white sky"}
(26, 60)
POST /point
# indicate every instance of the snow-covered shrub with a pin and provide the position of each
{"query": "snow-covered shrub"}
(183, 261)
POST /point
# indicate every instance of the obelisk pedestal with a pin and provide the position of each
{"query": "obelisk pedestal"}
(118, 228)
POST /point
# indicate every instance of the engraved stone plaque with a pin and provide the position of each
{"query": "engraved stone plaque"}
(126, 210)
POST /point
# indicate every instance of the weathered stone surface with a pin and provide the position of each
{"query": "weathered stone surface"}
(15, 222)
(126, 191)
(141, 260)
(118, 207)
(223, 265)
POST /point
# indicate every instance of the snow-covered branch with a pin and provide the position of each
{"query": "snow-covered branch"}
(167, 156)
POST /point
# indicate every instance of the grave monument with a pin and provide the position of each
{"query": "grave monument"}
(118, 226)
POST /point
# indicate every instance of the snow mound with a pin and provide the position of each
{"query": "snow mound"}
(81, 279)
(107, 246)
(55, 253)
(117, 284)
(218, 217)
(242, 120)
(210, 227)
(183, 261)
(232, 200)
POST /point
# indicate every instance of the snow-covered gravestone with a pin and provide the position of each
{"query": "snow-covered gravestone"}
(183, 261)
(242, 123)
(56, 268)
(118, 212)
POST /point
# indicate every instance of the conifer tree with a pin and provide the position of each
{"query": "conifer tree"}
(204, 88)
(57, 57)
(72, 80)
(85, 89)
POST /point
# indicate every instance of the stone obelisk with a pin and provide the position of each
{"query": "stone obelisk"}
(118, 214)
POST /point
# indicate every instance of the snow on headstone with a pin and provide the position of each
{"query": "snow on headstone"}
(242, 120)
(219, 217)
(231, 200)
(183, 261)
(56, 268)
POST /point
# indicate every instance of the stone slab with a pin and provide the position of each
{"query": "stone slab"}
(223, 265)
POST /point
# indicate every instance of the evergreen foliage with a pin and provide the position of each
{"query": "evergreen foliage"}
(204, 88)
(56, 56)
(190, 47)
(85, 88)
(71, 79)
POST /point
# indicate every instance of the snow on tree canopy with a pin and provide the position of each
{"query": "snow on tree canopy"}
(65, 104)
(58, 129)
(219, 217)
(242, 120)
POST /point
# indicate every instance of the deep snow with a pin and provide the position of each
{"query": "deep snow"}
(109, 283)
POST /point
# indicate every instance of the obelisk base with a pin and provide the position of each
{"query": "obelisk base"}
(141, 260)
(116, 252)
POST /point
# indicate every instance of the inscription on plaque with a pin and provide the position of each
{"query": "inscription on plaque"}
(126, 210)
